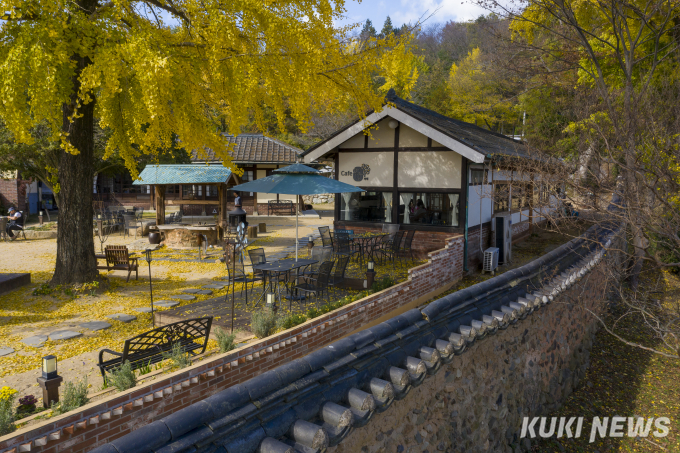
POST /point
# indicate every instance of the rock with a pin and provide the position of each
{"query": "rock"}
(143, 309)
(95, 325)
(36, 341)
(64, 335)
(184, 297)
(5, 351)
(525, 444)
(122, 317)
(191, 290)
(166, 303)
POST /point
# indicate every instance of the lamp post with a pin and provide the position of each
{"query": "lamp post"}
(40, 218)
(148, 260)
(370, 274)
(50, 381)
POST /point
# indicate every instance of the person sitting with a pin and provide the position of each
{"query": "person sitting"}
(420, 211)
(13, 225)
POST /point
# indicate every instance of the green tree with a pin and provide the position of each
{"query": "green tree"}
(387, 29)
(368, 31)
(69, 62)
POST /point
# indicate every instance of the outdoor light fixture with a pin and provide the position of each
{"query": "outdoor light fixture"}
(393, 124)
(270, 300)
(148, 260)
(49, 367)
(50, 381)
(40, 217)
(370, 274)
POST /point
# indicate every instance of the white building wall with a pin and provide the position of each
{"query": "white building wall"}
(480, 204)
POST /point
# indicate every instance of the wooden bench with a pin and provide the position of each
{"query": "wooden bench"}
(148, 348)
(118, 258)
(280, 206)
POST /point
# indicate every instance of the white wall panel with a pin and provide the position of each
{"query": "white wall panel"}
(380, 166)
(430, 169)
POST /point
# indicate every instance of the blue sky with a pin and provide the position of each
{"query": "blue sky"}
(405, 11)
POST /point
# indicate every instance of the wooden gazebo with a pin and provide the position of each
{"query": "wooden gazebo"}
(202, 176)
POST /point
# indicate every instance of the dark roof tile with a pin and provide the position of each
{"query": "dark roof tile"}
(254, 148)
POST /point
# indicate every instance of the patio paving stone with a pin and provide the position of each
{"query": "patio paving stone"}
(64, 335)
(122, 317)
(214, 286)
(5, 351)
(166, 303)
(206, 292)
(37, 341)
(143, 309)
(184, 297)
(95, 325)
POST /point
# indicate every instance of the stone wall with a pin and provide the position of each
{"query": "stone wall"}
(477, 402)
(115, 416)
(319, 198)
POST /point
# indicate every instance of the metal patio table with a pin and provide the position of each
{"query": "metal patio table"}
(273, 271)
(367, 244)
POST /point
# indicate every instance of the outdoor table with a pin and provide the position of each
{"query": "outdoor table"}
(366, 242)
(275, 269)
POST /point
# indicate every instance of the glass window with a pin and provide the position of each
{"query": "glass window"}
(478, 177)
(247, 176)
(429, 208)
(366, 206)
(501, 197)
(191, 191)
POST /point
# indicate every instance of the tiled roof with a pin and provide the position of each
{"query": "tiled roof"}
(314, 402)
(481, 140)
(183, 174)
(255, 148)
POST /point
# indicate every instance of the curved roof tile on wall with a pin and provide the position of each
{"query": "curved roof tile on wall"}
(255, 148)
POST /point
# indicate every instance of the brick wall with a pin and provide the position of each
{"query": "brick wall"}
(117, 415)
(9, 192)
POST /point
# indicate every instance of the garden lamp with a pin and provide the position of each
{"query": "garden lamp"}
(50, 381)
(370, 274)
(148, 260)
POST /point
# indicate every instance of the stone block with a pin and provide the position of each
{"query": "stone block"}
(64, 335)
(122, 317)
(95, 325)
(36, 341)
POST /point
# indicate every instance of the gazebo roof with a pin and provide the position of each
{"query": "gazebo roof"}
(183, 174)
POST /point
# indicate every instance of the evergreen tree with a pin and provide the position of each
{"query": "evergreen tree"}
(387, 29)
(368, 31)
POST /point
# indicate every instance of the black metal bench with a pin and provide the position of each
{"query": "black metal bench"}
(148, 348)
(280, 206)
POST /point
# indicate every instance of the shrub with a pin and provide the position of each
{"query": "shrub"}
(291, 320)
(179, 358)
(7, 396)
(383, 283)
(26, 406)
(225, 340)
(263, 322)
(75, 395)
(123, 377)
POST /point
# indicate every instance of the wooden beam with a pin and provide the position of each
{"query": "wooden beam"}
(160, 204)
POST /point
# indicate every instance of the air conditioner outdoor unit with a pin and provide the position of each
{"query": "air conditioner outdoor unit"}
(502, 237)
(490, 259)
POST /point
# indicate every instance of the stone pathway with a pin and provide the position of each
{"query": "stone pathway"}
(95, 325)
(64, 335)
(5, 351)
(184, 297)
(166, 303)
(36, 341)
(122, 317)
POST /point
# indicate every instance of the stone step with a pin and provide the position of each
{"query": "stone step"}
(122, 317)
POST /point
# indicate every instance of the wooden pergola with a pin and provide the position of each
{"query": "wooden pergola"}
(161, 176)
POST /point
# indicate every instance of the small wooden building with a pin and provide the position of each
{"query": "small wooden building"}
(433, 174)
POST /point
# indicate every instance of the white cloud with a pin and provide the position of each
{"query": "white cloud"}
(444, 10)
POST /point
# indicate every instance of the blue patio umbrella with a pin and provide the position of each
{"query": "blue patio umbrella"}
(296, 179)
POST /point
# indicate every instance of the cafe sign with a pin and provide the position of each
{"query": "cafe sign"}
(359, 173)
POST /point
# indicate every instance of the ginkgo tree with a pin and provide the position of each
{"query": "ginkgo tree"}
(66, 62)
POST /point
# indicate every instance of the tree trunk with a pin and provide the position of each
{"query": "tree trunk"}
(75, 241)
